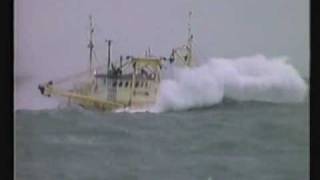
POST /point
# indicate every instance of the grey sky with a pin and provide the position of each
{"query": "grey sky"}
(51, 35)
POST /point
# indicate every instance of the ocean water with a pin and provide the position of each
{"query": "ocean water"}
(232, 140)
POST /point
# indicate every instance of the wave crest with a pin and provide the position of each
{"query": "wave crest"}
(254, 78)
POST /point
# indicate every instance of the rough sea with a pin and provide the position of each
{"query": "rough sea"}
(243, 119)
(229, 141)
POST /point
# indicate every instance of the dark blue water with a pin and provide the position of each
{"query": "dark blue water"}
(229, 141)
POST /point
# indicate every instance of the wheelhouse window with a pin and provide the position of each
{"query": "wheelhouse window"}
(126, 84)
(114, 84)
(120, 84)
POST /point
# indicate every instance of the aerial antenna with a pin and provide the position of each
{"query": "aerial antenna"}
(90, 45)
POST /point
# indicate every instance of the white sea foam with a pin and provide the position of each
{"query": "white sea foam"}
(254, 78)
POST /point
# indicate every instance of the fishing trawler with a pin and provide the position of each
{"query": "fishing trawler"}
(132, 84)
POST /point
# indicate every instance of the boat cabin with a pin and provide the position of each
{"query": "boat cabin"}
(137, 86)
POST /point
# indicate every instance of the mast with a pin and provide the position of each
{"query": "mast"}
(90, 45)
(189, 45)
(121, 61)
(147, 53)
(109, 54)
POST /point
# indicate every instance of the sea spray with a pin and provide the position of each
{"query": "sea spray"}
(254, 78)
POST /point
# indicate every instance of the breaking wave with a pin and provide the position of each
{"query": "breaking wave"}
(254, 78)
